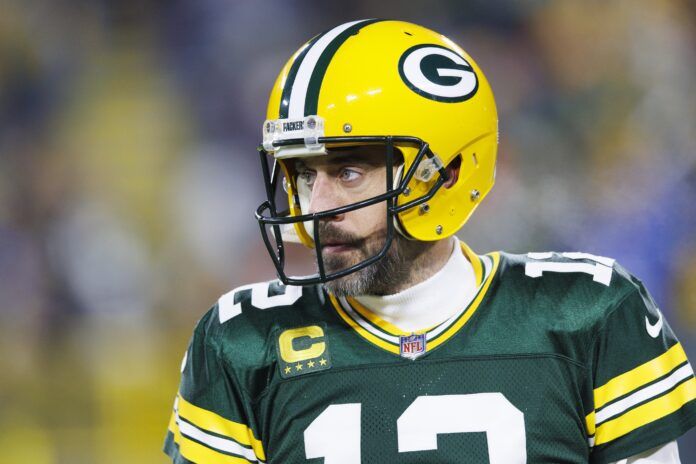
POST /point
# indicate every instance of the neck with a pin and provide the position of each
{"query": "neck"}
(406, 264)
(424, 262)
(431, 301)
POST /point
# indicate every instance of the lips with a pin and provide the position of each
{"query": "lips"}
(337, 247)
(335, 240)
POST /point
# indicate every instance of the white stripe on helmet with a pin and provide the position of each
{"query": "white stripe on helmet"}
(298, 94)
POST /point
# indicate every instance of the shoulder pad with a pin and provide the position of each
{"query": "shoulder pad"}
(572, 266)
(569, 280)
(261, 295)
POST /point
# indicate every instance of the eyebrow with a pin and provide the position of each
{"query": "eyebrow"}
(369, 158)
(360, 159)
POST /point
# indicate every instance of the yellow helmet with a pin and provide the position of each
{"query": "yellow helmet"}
(389, 82)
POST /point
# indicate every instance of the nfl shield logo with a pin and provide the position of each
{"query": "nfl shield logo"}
(412, 345)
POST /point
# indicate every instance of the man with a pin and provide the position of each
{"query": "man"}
(406, 346)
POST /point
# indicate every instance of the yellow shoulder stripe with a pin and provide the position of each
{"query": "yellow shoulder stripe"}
(590, 422)
(172, 425)
(635, 378)
(646, 413)
(212, 422)
(195, 452)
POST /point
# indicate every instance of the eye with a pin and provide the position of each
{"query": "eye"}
(348, 175)
(306, 177)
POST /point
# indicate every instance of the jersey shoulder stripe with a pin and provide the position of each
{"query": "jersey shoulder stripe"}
(204, 436)
(644, 374)
(642, 395)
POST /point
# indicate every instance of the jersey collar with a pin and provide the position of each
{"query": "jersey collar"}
(387, 336)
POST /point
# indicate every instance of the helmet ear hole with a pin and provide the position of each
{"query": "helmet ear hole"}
(453, 171)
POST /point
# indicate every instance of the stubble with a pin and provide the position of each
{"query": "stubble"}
(395, 271)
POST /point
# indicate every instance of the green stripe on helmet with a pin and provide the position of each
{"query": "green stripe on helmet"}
(285, 97)
(312, 98)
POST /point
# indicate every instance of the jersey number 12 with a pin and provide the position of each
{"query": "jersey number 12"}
(335, 434)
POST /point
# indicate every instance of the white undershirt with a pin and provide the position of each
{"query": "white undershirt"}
(432, 301)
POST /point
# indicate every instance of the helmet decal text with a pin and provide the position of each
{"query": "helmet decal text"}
(438, 73)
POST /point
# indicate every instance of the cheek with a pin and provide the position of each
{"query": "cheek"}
(367, 221)
(372, 219)
(375, 217)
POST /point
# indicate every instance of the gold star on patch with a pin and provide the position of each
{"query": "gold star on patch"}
(322, 362)
(288, 370)
(298, 366)
(310, 364)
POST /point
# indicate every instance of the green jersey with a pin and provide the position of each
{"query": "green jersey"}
(557, 358)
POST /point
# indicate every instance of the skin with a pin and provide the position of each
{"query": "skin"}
(352, 174)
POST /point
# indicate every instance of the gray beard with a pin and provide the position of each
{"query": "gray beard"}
(384, 277)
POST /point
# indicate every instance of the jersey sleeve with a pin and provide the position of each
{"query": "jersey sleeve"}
(643, 384)
(212, 420)
(665, 454)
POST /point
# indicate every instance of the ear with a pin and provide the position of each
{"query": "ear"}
(453, 171)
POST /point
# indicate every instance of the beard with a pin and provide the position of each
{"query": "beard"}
(384, 277)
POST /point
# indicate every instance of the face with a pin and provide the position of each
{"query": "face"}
(343, 177)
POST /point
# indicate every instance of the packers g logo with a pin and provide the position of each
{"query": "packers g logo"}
(302, 350)
(438, 73)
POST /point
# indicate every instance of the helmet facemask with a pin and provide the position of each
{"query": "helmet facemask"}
(283, 219)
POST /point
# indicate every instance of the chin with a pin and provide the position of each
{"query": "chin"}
(335, 262)
(350, 285)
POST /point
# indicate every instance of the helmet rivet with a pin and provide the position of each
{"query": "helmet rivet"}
(475, 195)
(424, 208)
(407, 191)
(438, 230)
(347, 128)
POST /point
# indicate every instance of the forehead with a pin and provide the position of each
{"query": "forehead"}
(372, 155)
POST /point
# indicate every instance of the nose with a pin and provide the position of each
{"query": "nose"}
(325, 196)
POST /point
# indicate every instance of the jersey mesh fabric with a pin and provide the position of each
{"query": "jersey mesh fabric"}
(540, 387)
(544, 345)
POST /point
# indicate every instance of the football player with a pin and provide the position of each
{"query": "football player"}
(406, 346)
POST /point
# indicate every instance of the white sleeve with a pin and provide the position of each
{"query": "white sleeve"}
(665, 454)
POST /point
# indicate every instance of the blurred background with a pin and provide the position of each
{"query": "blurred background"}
(128, 178)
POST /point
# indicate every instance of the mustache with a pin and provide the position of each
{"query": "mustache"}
(328, 233)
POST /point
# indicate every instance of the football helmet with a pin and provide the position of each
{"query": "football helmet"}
(385, 82)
